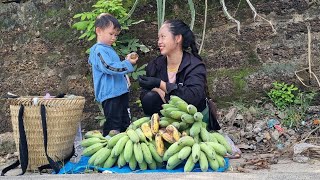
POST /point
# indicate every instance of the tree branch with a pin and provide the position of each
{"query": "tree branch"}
(229, 16)
(256, 14)
(204, 25)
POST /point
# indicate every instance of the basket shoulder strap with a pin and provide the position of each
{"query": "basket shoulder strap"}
(54, 165)
(8, 168)
(48, 166)
(23, 147)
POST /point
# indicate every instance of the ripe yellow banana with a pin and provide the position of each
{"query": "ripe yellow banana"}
(142, 137)
(168, 137)
(173, 132)
(155, 123)
(146, 130)
(159, 144)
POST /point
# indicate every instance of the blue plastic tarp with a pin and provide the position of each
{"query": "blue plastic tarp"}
(82, 166)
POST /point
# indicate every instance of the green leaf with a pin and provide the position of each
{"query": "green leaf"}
(134, 75)
(77, 15)
(142, 67)
(141, 73)
(88, 51)
(83, 36)
(83, 17)
(82, 25)
(101, 123)
(93, 36)
(90, 26)
(144, 48)
(99, 117)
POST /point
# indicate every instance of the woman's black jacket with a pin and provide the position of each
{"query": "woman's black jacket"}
(190, 79)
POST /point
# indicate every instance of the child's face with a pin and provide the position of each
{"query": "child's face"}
(107, 35)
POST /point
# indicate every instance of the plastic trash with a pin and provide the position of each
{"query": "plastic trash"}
(47, 96)
(70, 96)
(77, 146)
(280, 145)
(35, 101)
(236, 152)
(129, 112)
(271, 123)
(279, 128)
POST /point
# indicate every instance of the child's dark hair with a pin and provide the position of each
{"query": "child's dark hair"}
(177, 27)
(105, 20)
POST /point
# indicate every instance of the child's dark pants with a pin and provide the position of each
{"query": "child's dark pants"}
(116, 113)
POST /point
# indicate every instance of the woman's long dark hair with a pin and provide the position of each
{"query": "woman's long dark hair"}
(178, 27)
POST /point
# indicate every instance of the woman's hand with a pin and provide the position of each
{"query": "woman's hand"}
(161, 93)
(149, 82)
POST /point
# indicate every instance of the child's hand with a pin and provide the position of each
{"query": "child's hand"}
(132, 57)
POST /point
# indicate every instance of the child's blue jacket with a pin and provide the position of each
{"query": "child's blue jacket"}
(108, 72)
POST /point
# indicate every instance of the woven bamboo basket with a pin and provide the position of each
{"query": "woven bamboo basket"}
(63, 117)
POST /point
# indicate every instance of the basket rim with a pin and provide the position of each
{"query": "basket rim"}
(28, 100)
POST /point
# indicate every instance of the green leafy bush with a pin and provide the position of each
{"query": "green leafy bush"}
(292, 102)
(85, 25)
(282, 95)
(296, 113)
(124, 44)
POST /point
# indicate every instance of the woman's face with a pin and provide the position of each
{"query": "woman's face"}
(168, 43)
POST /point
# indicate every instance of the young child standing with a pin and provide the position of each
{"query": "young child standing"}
(109, 75)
